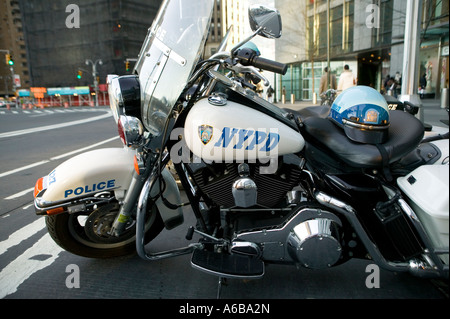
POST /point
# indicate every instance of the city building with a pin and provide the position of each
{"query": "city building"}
(367, 35)
(232, 14)
(60, 35)
(13, 47)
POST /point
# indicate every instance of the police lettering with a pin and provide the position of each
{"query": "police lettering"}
(90, 188)
(252, 137)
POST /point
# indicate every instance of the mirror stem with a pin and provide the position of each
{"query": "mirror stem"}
(245, 40)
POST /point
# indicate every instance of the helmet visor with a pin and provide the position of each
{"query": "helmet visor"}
(366, 133)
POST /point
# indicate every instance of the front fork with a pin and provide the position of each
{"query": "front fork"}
(128, 205)
(132, 196)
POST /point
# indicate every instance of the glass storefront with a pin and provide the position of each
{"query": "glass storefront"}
(368, 36)
(302, 80)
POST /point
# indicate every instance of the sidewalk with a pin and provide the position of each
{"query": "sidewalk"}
(426, 103)
(432, 111)
(298, 105)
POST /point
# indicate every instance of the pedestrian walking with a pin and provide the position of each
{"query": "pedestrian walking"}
(347, 79)
(270, 92)
(386, 84)
(423, 85)
(324, 81)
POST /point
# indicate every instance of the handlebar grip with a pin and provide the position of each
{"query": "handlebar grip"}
(248, 57)
(269, 65)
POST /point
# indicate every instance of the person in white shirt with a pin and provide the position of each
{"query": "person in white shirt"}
(346, 80)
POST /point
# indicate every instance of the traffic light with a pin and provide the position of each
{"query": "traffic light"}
(127, 66)
(80, 74)
(9, 59)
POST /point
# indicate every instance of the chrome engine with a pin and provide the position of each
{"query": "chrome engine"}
(315, 244)
(280, 230)
(243, 185)
(311, 237)
(244, 189)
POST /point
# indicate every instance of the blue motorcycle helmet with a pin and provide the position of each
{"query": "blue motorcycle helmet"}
(363, 113)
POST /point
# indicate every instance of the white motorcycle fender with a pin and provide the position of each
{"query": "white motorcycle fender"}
(427, 188)
(443, 146)
(90, 173)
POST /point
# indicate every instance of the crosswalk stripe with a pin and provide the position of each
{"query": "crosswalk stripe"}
(11, 279)
(51, 111)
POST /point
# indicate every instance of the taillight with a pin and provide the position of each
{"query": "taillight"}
(121, 131)
(131, 131)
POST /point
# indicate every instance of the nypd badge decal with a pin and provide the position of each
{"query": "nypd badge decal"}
(205, 133)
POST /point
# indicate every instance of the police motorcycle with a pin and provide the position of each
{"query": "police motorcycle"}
(311, 188)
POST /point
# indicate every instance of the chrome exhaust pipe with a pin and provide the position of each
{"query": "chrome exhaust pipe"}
(421, 268)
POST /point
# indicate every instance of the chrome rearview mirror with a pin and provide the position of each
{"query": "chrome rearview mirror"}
(265, 20)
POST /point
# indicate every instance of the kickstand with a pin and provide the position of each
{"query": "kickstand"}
(222, 281)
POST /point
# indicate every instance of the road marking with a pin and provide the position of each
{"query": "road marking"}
(83, 149)
(22, 234)
(54, 126)
(20, 194)
(29, 190)
(21, 268)
(55, 158)
(23, 168)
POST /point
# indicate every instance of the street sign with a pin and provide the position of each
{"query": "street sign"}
(17, 82)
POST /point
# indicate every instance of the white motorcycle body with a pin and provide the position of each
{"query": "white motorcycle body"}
(427, 188)
(92, 173)
(109, 169)
(233, 131)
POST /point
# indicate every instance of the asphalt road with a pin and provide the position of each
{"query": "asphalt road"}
(32, 266)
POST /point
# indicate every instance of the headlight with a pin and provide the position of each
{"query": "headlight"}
(124, 96)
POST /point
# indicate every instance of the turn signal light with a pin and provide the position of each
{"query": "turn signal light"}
(136, 165)
(39, 186)
(55, 211)
(139, 165)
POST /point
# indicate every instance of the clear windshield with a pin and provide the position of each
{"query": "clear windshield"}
(170, 52)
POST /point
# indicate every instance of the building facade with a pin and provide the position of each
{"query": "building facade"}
(367, 35)
(12, 42)
(61, 36)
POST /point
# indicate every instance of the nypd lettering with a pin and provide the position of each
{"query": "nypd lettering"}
(90, 188)
(51, 177)
(266, 142)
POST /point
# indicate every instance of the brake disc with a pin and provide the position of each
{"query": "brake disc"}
(98, 225)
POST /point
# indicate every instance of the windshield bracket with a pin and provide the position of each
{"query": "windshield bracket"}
(169, 52)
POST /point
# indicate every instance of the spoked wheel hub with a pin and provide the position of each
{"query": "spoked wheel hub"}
(99, 223)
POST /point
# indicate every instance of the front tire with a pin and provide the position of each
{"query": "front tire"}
(68, 231)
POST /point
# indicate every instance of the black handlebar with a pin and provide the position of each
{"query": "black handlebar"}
(249, 57)
(269, 65)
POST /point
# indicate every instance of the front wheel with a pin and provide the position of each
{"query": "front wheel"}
(87, 235)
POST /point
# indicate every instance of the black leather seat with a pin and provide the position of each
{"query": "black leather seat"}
(405, 134)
